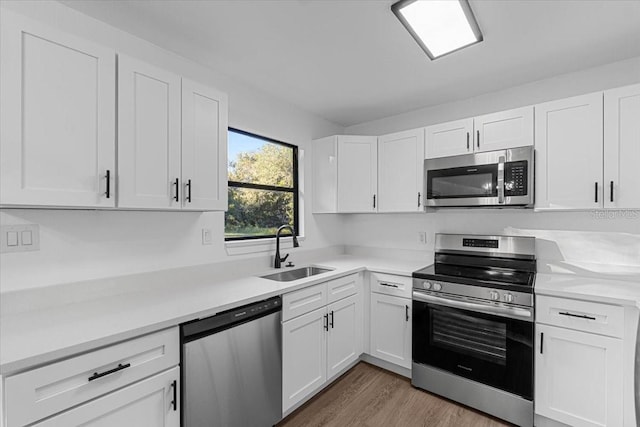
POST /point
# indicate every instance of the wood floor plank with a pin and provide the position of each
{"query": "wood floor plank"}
(367, 396)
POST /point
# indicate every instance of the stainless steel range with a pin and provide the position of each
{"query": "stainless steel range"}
(473, 327)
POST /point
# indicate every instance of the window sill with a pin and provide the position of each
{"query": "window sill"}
(240, 247)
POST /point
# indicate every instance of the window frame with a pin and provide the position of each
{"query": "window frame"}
(293, 190)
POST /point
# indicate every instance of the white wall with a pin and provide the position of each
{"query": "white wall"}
(607, 76)
(609, 241)
(82, 245)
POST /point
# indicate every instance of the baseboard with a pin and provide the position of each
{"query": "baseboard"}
(388, 366)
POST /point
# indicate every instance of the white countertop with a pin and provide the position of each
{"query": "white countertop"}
(36, 337)
(589, 288)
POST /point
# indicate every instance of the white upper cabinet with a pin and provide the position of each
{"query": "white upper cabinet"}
(505, 129)
(622, 147)
(400, 166)
(449, 139)
(204, 147)
(148, 136)
(568, 142)
(325, 175)
(57, 119)
(357, 173)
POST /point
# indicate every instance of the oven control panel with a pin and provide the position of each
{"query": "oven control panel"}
(496, 295)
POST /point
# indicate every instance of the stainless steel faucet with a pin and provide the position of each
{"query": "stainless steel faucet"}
(278, 261)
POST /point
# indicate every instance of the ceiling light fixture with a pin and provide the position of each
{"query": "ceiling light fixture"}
(439, 26)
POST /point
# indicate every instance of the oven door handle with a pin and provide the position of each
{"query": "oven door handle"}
(511, 312)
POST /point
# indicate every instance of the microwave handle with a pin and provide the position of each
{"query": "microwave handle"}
(501, 162)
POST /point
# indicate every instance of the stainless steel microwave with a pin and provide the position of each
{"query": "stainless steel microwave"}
(502, 178)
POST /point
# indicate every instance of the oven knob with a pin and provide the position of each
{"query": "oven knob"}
(495, 296)
(508, 298)
(426, 285)
(437, 287)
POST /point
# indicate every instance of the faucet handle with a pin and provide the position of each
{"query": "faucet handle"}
(285, 258)
(290, 264)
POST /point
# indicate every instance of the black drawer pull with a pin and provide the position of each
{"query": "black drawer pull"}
(390, 285)
(120, 367)
(174, 402)
(581, 316)
(611, 191)
(107, 193)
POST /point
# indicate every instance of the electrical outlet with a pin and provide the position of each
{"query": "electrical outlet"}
(20, 238)
(207, 236)
(422, 237)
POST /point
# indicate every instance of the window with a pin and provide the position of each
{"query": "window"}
(263, 186)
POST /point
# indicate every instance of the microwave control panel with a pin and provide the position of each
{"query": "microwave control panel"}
(515, 178)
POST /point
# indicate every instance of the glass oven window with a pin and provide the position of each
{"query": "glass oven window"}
(479, 338)
(476, 181)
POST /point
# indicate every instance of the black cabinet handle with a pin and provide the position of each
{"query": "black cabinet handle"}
(331, 319)
(374, 201)
(120, 367)
(478, 141)
(418, 199)
(326, 322)
(580, 316)
(188, 191)
(406, 312)
(107, 193)
(467, 141)
(611, 184)
(541, 342)
(174, 402)
(390, 285)
(177, 184)
(596, 193)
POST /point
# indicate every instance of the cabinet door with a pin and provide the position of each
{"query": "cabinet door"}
(325, 175)
(304, 356)
(151, 402)
(357, 173)
(568, 142)
(622, 147)
(57, 117)
(344, 336)
(505, 129)
(391, 329)
(204, 147)
(148, 136)
(449, 139)
(400, 166)
(578, 378)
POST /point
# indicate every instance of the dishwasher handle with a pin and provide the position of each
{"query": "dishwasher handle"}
(224, 320)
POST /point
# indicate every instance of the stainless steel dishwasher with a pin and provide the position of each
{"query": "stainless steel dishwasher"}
(232, 367)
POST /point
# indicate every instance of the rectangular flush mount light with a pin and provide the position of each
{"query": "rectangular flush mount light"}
(439, 26)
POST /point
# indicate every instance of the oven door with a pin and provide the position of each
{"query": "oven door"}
(490, 344)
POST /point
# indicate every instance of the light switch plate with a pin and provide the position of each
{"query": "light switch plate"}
(207, 236)
(19, 238)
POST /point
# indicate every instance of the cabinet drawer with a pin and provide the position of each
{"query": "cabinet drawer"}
(585, 316)
(303, 301)
(390, 284)
(35, 394)
(342, 287)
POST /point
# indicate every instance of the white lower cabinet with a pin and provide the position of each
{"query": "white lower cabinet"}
(304, 356)
(151, 402)
(319, 344)
(135, 382)
(391, 329)
(578, 374)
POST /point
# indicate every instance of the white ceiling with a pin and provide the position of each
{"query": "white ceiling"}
(351, 61)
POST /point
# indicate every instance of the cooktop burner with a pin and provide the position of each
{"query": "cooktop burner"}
(500, 262)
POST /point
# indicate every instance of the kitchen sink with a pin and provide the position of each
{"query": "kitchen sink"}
(298, 273)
